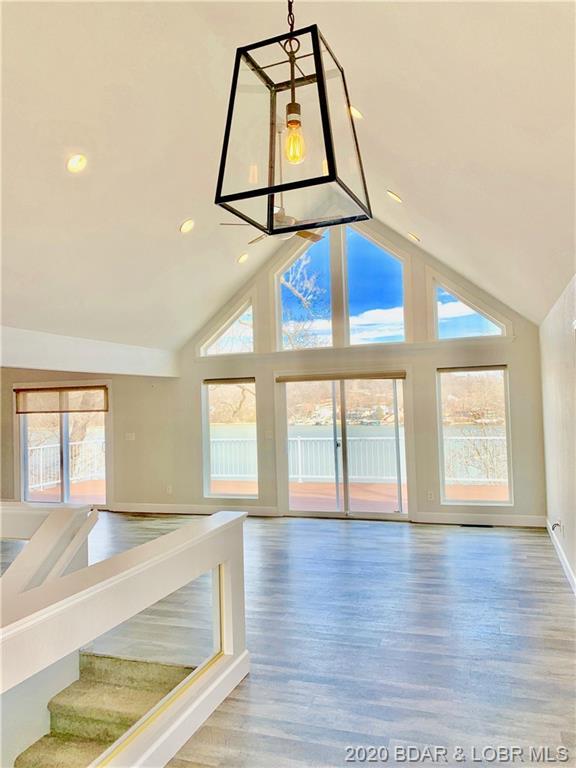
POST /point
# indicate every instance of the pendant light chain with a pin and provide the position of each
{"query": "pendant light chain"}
(291, 15)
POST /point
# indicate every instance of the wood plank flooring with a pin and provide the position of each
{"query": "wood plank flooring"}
(380, 633)
(373, 633)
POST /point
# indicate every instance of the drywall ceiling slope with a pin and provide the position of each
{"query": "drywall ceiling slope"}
(468, 115)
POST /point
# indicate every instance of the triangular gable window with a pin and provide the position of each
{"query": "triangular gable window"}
(235, 338)
(456, 319)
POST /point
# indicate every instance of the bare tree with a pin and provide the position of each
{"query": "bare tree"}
(312, 303)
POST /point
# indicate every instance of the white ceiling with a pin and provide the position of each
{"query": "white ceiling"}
(469, 116)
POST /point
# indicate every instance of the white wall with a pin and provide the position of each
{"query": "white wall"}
(50, 351)
(144, 406)
(166, 414)
(558, 352)
(420, 358)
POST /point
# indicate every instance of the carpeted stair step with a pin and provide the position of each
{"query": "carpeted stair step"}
(148, 675)
(60, 752)
(97, 711)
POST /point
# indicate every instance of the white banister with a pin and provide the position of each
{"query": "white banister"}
(45, 624)
(57, 534)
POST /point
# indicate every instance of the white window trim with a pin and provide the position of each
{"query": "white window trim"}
(224, 320)
(206, 463)
(434, 280)
(19, 479)
(471, 503)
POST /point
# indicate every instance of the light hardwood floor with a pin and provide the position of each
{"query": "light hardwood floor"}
(377, 633)
(373, 633)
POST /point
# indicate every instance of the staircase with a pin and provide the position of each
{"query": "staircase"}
(89, 715)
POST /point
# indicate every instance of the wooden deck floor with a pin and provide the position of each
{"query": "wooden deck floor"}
(386, 633)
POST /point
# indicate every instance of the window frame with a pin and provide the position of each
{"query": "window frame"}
(18, 440)
(206, 454)
(435, 280)
(440, 439)
(221, 327)
(340, 314)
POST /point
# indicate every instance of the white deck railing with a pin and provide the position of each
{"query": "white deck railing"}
(468, 459)
(87, 461)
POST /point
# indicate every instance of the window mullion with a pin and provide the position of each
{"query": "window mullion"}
(64, 458)
(340, 333)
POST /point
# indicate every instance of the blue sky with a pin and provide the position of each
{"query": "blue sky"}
(458, 320)
(375, 295)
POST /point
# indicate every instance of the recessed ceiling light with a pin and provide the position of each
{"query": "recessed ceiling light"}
(243, 258)
(187, 226)
(76, 163)
(356, 113)
(394, 196)
(413, 237)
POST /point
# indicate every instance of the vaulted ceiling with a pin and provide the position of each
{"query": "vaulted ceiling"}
(468, 115)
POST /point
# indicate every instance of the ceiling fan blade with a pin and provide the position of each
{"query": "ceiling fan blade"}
(233, 224)
(307, 235)
(257, 239)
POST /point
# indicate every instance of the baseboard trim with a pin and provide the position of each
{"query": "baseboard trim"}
(562, 557)
(397, 517)
(443, 518)
(483, 518)
(188, 509)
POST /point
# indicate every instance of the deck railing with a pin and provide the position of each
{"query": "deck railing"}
(87, 461)
(469, 459)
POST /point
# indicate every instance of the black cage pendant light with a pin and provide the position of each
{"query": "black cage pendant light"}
(290, 158)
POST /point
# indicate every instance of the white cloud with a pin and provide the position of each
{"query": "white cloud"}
(454, 309)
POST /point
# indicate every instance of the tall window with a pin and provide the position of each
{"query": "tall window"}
(305, 299)
(375, 292)
(235, 337)
(63, 444)
(231, 445)
(474, 445)
(457, 320)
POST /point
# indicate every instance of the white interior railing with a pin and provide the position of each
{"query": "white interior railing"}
(45, 624)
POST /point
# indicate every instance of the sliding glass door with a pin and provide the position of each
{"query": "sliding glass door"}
(63, 444)
(315, 446)
(375, 441)
(346, 446)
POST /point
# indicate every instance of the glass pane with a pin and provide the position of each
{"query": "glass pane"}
(87, 458)
(237, 338)
(306, 301)
(41, 457)
(474, 436)
(373, 450)
(314, 446)
(456, 319)
(233, 439)
(375, 292)
(348, 166)
(181, 629)
(247, 156)
(318, 205)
